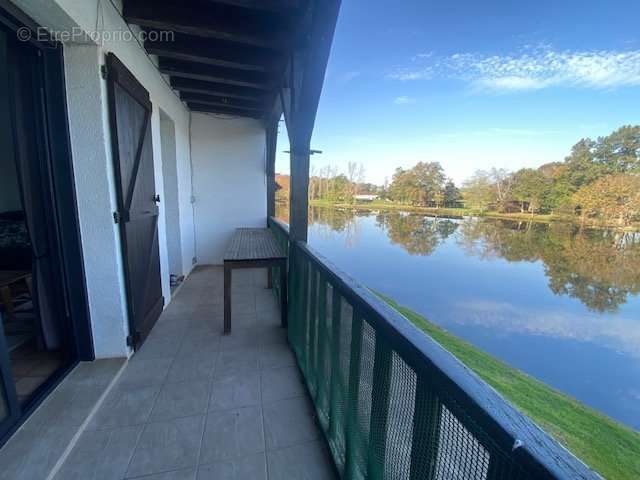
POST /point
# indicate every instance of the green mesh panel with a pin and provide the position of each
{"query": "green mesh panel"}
(381, 418)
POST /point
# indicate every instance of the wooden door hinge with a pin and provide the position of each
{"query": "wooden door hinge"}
(119, 217)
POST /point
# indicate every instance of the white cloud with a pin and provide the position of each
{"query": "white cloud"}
(619, 333)
(348, 76)
(533, 68)
(404, 100)
(511, 83)
(425, 73)
(422, 56)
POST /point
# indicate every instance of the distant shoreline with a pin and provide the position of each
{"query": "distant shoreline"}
(468, 212)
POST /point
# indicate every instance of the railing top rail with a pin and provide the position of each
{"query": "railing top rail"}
(280, 224)
(507, 426)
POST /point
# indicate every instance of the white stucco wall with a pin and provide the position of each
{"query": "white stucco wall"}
(227, 156)
(93, 169)
(170, 192)
(95, 190)
(229, 181)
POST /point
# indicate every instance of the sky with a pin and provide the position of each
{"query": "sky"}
(473, 85)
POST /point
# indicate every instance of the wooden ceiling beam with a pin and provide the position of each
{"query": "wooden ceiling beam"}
(218, 89)
(210, 73)
(225, 23)
(222, 101)
(215, 52)
(199, 107)
(276, 6)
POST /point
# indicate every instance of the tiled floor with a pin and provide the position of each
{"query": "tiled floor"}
(194, 405)
(32, 367)
(37, 446)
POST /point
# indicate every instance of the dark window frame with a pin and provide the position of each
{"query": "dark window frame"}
(59, 158)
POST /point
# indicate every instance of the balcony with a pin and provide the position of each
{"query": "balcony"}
(350, 389)
(192, 400)
(391, 402)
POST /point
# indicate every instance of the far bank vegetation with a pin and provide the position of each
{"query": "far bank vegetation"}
(597, 183)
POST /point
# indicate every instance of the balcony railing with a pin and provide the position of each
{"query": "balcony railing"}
(392, 402)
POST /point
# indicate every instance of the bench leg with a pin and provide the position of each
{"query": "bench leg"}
(227, 299)
(283, 293)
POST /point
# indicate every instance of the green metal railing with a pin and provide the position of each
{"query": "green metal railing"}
(281, 231)
(392, 403)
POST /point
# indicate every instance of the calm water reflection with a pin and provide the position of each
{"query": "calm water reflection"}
(559, 303)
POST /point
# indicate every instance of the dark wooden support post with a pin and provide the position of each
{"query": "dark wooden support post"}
(299, 193)
(300, 96)
(272, 140)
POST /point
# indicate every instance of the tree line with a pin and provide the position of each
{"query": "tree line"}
(598, 181)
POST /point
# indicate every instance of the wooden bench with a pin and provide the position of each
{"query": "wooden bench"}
(254, 248)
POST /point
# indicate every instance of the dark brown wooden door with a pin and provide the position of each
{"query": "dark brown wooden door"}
(130, 120)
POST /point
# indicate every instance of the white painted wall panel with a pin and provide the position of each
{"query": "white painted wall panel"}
(170, 193)
(227, 156)
(90, 137)
(187, 228)
(229, 181)
(95, 190)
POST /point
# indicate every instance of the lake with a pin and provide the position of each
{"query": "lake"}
(558, 302)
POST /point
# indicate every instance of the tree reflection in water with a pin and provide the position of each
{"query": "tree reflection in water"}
(418, 234)
(601, 268)
(340, 220)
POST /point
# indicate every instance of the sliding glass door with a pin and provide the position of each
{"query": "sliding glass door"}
(42, 311)
(9, 409)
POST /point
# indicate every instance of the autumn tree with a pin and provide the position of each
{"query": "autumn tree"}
(403, 187)
(451, 194)
(620, 151)
(614, 197)
(430, 178)
(355, 175)
(502, 183)
(530, 189)
(340, 189)
(478, 191)
(421, 185)
(591, 160)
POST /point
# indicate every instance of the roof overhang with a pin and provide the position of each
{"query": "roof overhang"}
(234, 57)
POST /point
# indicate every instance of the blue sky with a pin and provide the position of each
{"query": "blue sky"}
(474, 84)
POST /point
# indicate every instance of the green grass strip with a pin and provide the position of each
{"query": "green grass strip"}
(605, 445)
